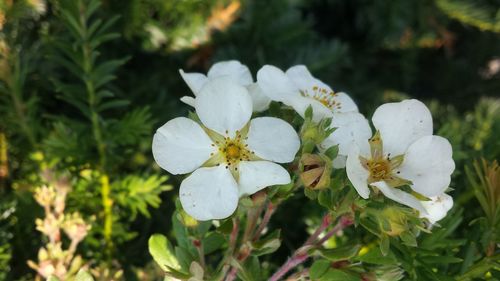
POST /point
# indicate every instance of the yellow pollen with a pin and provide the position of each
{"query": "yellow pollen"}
(324, 96)
(233, 151)
(380, 169)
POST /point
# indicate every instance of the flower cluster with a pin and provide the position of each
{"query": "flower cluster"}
(53, 259)
(227, 154)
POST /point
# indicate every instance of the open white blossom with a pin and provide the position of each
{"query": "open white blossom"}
(403, 152)
(299, 89)
(229, 155)
(233, 70)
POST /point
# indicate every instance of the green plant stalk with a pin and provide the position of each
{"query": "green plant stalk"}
(15, 86)
(107, 203)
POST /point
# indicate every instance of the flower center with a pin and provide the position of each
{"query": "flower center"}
(383, 167)
(380, 169)
(233, 151)
(324, 96)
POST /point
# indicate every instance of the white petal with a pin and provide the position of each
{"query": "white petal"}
(437, 208)
(209, 193)
(260, 101)
(428, 163)
(304, 80)
(400, 196)
(300, 76)
(273, 139)
(276, 85)
(188, 100)
(300, 104)
(233, 69)
(356, 173)
(223, 105)
(352, 129)
(345, 102)
(402, 123)
(339, 161)
(180, 146)
(195, 81)
(256, 175)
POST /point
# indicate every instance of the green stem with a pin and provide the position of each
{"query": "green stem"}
(87, 66)
(15, 85)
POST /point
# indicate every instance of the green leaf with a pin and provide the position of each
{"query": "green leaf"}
(112, 104)
(332, 152)
(267, 245)
(408, 238)
(318, 269)
(213, 242)
(338, 254)
(441, 260)
(385, 245)
(308, 113)
(374, 256)
(160, 249)
(83, 275)
(340, 275)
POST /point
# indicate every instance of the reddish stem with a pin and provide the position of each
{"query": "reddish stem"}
(343, 223)
(300, 255)
(265, 220)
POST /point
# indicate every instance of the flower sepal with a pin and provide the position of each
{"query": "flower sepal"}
(314, 133)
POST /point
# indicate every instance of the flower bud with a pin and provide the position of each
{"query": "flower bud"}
(395, 221)
(45, 196)
(75, 227)
(315, 171)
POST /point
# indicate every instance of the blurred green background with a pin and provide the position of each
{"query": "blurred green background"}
(444, 52)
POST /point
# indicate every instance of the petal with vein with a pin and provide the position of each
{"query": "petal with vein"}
(223, 105)
(356, 173)
(276, 85)
(273, 139)
(400, 196)
(180, 146)
(256, 175)
(233, 69)
(428, 163)
(402, 123)
(195, 81)
(209, 193)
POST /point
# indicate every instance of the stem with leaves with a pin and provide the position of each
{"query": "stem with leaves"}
(301, 254)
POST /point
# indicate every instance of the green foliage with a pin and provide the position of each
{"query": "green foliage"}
(82, 81)
(136, 193)
(475, 13)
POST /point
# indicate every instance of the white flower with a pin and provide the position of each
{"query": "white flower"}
(235, 71)
(229, 154)
(299, 89)
(403, 152)
(437, 207)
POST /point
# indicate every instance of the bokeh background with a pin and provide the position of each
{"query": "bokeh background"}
(443, 52)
